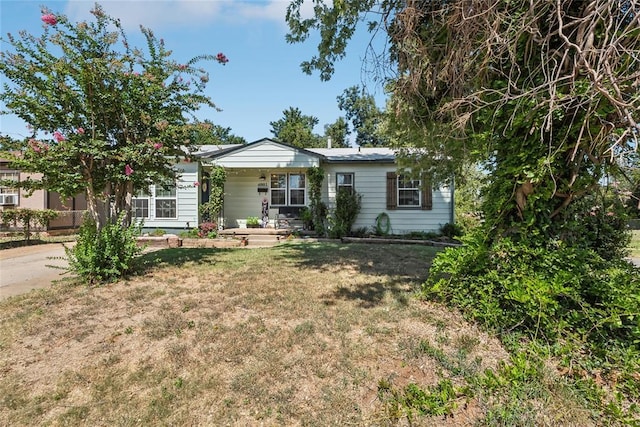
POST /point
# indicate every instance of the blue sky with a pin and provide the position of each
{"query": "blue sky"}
(263, 75)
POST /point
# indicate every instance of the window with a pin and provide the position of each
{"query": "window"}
(288, 190)
(166, 202)
(140, 205)
(408, 191)
(278, 189)
(344, 181)
(296, 189)
(9, 195)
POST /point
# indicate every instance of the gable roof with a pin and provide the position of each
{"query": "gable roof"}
(328, 155)
(225, 150)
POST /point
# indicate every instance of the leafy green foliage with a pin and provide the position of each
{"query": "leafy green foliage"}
(338, 131)
(437, 400)
(360, 108)
(296, 129)
(208, 133)
(28, 219)
(598, 223)
(210, 209)
(105, 118)
(548, 292)
(348, 205)
(317, 207)
(106, 254)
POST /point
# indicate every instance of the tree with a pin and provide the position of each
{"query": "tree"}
(545, 93)
(211, 134)
(360, 108)
(106, 118)
(296, 129)
(338, 131)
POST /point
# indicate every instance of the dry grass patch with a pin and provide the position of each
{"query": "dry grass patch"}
(300, 334)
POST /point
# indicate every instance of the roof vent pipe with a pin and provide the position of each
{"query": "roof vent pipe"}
(329, 142)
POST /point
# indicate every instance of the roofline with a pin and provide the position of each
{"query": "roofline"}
(390, 161)
(220, 153)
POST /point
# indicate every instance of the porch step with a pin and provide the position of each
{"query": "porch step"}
(258, 237)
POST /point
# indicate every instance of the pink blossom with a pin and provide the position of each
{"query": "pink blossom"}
(196, 184)
(221, 58)
(80, 131)
(58, 136)
(35, 145)
(135, 73)
(182, 67)
(50, 19)
(128, 170)
(157, 145)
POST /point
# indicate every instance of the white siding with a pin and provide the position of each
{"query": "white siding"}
(370, 180)
(187, 201)
(241, 197)
(267, 155)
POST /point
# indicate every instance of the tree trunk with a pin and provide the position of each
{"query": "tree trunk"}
(93, 208)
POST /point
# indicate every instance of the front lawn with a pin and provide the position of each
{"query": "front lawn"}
(299, 334)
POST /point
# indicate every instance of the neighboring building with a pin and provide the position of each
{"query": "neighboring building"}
(70, 210)
(272, 172)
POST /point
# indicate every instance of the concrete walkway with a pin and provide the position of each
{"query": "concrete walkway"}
(25, 268)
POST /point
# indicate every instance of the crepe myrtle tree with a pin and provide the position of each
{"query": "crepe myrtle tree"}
(105, 118)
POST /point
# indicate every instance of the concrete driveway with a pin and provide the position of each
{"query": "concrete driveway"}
(25, 268)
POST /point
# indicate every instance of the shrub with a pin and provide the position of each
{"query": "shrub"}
(104, 255)
(253, 221)
(451, 230)
(29, 219)
(208, 230)
(547, 291)
(348, 206)
(598, 223)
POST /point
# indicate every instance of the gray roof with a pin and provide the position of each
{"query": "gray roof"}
(356, 154)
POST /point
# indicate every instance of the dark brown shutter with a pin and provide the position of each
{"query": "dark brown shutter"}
(392, 190)
(427, 195)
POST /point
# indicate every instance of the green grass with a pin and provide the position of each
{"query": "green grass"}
(300, 334)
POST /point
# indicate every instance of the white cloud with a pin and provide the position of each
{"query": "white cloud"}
(157, 14)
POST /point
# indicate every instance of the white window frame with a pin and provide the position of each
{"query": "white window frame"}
(402, 188)
(287, 189)
(278, 189)
(141, 196)
(291, 188)
(171, 197)
(13, 175)
(351, 186)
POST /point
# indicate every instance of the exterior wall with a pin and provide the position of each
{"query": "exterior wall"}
(37, 200)
(187, 202)
(370, 182)
(267, 155)
(242, 198)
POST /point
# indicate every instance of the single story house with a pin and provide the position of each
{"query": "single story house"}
(271, 172)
